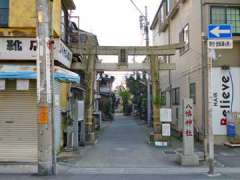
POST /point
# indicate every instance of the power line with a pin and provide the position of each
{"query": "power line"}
(134, 4)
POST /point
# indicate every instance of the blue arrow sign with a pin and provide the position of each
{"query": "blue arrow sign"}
(219, 31)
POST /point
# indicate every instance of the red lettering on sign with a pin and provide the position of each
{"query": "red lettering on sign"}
(223, 122)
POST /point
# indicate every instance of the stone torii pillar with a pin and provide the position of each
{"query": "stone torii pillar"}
(156, 135)
(90, 74)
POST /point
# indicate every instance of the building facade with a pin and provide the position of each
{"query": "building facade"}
(187, 21)
(18, 74)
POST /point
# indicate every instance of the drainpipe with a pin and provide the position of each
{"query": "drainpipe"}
(169, 71)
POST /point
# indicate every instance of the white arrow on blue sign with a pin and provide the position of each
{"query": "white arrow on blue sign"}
(219, 31)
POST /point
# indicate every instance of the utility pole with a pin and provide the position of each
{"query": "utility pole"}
(210, 126)
(144, 25)
(45, 65)
(149, 111)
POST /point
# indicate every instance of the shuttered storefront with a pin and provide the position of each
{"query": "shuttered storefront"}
(18, 124)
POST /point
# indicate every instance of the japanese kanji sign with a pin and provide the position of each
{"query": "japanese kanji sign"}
(188, 127)
(220, 44)
(26, 49)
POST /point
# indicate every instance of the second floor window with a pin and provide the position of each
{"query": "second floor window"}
(227, 15)
(4, 7)
(184, 38)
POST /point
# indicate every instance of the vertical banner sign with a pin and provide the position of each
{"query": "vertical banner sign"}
(188, 134)
(226, 96)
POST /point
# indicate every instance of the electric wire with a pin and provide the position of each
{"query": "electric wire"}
(137, 8)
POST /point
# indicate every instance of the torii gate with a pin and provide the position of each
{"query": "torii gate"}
(91, 50)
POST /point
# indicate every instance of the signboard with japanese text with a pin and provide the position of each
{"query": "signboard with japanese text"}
(226, 96)
(220, 44)
(188, 127)
(26, 49)
(188, 117)
(18, 48)
(220, 36)
(63, 54)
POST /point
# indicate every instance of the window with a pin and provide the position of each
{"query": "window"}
(168, 6)
(192, 90)
(164, 10)
(162, 15)
(176, 96)
(63, 23)
(184, 38)
(227, 15)
(4, 8)
(163, 98)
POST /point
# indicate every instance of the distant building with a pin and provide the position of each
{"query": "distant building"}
(187, 21)
(107, 97)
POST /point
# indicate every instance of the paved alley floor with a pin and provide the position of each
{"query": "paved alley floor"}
(123, 144)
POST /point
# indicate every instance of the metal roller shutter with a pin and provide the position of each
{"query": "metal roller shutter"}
(18, 124)
(57, 117)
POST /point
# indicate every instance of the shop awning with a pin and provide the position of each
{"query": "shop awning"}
(30, 72)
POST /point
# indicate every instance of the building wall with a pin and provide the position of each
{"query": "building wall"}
(189, 65)
(22, 13)
(22, 18)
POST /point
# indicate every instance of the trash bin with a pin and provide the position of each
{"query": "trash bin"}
(231, 130)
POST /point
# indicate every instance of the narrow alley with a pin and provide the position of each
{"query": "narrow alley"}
(123, 143)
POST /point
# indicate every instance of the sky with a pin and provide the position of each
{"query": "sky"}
(115, 22)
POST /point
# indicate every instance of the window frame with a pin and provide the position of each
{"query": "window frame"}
(175, 98)
(225, 15)
(193, 96)
(182, 39)
(64, 25)
(163, 98)
(7, 8)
